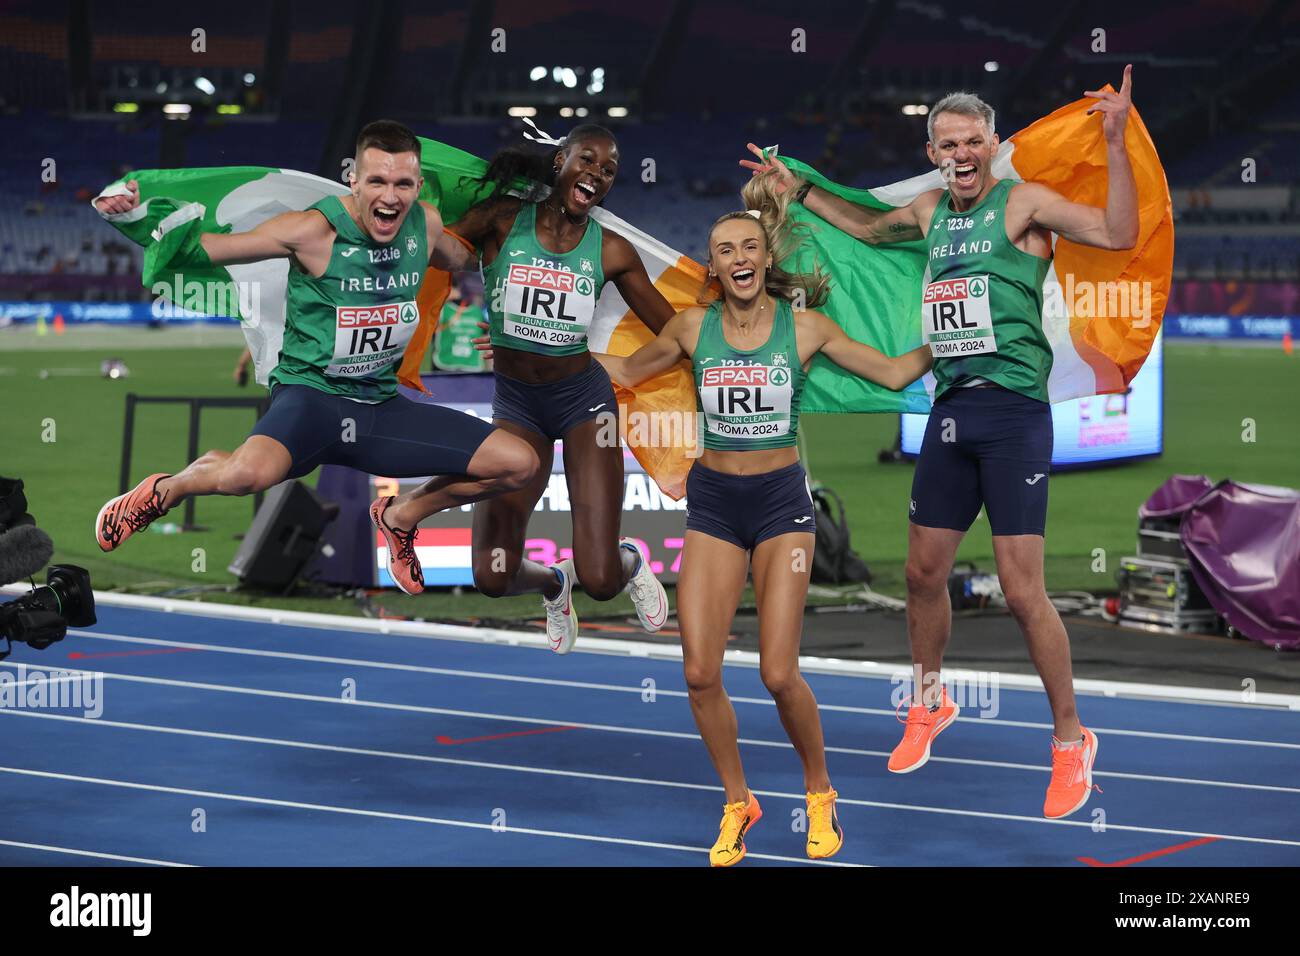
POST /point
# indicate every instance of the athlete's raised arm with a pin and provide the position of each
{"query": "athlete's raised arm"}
(872, 226)
(1116, 226)
(656, 357)
(278, 238)
(861, 359)
(625, 269)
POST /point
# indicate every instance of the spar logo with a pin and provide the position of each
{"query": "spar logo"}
(750, 376)
(551, 280)
(376, 316)
(952, 290)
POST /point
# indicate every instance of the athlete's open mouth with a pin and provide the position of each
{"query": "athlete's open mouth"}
(584, 193)
(964, 174)
(386, 216)
(743, 278)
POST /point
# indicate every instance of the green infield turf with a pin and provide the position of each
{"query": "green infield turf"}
(62, 433)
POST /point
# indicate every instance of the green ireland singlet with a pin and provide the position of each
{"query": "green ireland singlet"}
(749, 397)
(982, 300)
(346, 330)
(542, 301)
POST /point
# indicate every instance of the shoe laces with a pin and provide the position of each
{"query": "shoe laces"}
(141, 515)
(1067, 764)
(819, 810)
(733, 818)
(405, 544)
(919, 719)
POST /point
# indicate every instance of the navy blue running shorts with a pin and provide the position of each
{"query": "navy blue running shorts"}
(551, 409)
(746, 510)
(984, 446)
(398, 438)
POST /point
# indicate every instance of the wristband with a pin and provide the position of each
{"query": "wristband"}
(802, 192)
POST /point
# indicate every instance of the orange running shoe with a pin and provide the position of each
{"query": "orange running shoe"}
(737, 818)
(1071, 776)
(126, 514)
(923, 725)
(402, 562)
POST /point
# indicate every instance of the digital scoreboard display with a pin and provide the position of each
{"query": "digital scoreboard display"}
(1095, 430)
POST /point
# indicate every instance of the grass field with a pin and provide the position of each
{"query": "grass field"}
(62, 434)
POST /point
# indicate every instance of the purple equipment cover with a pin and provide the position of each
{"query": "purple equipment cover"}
(1244, 542)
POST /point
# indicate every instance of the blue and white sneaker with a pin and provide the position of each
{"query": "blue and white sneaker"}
(561, 619)
(648, 595)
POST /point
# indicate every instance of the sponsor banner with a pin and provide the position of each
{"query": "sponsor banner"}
(140, 313)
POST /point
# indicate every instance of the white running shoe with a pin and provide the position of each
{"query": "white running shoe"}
(561, 619)
(648, 596)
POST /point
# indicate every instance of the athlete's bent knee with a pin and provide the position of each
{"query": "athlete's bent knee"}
(1022, 600)
(601, 586)
(778, 679)
(490, 583)
(923, 579)
(701, 678)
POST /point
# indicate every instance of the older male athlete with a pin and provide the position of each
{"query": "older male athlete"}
(989, 438)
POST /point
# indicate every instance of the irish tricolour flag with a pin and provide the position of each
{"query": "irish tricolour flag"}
(1102, 309)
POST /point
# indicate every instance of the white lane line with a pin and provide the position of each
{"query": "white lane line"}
(1164, 693)
(798, 797)
(456, 761)
(99, 856)
(638, 689)
(387, 815)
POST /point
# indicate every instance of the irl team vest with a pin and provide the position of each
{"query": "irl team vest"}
(982, 300)
(749, 397)
(542, 301)
(346, 330)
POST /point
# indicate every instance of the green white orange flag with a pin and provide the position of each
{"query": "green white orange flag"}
(1101, 309)
(1099, 342)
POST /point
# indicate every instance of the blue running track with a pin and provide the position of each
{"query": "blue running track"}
(225, 742)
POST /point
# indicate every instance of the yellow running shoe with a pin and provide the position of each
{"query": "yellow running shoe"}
(737, 818)
(825, 836)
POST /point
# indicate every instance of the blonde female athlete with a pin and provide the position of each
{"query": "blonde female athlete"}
(749, 503)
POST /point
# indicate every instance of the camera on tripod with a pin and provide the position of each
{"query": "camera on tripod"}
(42, 616)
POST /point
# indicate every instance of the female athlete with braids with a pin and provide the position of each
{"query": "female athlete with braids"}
(748, 497)
(544, 262)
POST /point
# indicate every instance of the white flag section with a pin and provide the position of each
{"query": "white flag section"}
(262, 285)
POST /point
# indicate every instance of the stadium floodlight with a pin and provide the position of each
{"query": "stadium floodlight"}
(126, 107)
(581, 111)
(990, 66)
(522, 111)
(206, 85)
(249, 79)
(557, 74)
(617, 111)
(161, 87)
(569, 78)
(176, 110)
(566, 111)
(537, 73)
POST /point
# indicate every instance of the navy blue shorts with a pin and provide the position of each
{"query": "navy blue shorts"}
(984, 446)
(398, 438)
(553, 408)
(748, 509)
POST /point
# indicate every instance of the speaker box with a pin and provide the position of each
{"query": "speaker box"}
(283, 537)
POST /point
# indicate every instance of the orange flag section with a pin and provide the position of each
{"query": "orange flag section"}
(657, 418)
(1115, 299)
(430, 300)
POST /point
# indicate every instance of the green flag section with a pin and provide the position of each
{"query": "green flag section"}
(453, 344)
(875, 298)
